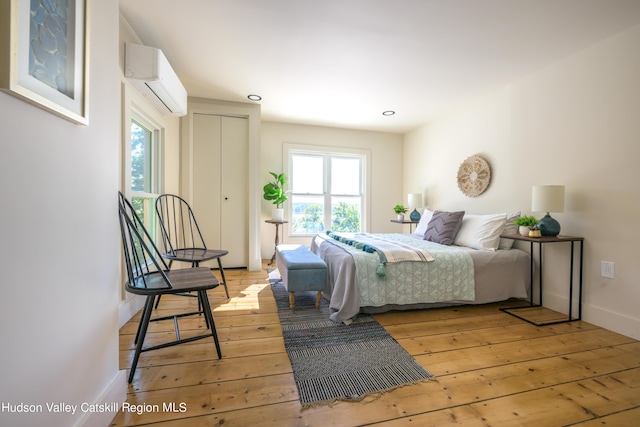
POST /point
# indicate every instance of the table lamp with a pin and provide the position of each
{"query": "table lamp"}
(415, 202)
(548, 198)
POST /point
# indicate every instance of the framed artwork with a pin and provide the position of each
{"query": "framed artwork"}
(44, 55)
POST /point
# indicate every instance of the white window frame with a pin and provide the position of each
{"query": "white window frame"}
(135, 106)
(328, 153)
(156, 164)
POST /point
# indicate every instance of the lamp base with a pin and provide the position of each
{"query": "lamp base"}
(414, 215)
(549, 226)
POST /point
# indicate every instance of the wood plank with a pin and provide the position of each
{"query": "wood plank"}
(435, 327)
(203, 350)
(399, 317)
(206, 372)
(547, 406)
(274, 415)
(210, 399)
(467, 359)
(626, 418)
(492, 369)
(478, 337)
(541, 315)
(224, 334)
(570, 403)
(606, 394)
(489, 383)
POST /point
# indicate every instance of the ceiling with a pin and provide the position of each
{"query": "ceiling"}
(342, 63)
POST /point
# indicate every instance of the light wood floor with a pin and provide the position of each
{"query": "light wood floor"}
(492, 369)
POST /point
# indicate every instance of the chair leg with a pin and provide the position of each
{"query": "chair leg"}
(201, 309)
(209, 316)
(196, 264)
(160, 296)
(149, 300)
(224, 280)
(142, 332)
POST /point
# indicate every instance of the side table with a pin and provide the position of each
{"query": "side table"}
(277, 239)
(541, 241)
(406, 221)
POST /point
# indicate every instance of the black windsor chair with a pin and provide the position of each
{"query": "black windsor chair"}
(149, 275)
(181, 236)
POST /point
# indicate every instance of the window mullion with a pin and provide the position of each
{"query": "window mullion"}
(327, 189)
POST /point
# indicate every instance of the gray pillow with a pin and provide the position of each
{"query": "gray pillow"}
(443, 227)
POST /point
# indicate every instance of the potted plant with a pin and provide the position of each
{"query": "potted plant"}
(274, 192)
(526, 223)
(400, 210)
(535, 231)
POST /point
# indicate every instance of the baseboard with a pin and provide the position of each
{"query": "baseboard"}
(612, 321)
(101, 412)
(616, 322)
(128, 308)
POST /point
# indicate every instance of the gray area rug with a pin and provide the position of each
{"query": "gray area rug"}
(332, 361)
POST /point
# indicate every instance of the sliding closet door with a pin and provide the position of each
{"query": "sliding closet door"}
(220, 184)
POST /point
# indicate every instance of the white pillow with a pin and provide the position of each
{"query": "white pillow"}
(421, 228)
(481, 231)
(510, 227)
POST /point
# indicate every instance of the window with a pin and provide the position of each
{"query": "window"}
(146, 168)
(327, 191)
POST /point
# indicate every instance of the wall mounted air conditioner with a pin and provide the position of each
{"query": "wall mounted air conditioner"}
(148, 70)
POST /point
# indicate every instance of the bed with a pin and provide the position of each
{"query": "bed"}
(465, 271)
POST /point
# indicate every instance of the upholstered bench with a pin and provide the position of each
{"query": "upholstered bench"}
(301, 270)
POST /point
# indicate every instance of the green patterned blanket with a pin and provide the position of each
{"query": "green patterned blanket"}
(449, 277)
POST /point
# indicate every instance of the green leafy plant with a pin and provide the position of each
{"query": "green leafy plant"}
(399, 209)
(274, 190)
(527, 221)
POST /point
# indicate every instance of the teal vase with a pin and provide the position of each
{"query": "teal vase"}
(549, 226)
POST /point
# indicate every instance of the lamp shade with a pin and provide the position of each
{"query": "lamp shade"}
(415, 201)
(547, 198)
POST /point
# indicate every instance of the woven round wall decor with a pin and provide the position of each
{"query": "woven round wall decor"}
(474, 176)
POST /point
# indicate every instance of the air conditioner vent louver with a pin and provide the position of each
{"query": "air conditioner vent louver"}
(149, 71)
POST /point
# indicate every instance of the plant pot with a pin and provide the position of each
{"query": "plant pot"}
(400, 217)
(277, 214)
(524, 230)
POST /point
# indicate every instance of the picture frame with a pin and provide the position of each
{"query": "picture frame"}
(44, 55)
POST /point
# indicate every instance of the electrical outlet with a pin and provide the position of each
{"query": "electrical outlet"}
(607, 269)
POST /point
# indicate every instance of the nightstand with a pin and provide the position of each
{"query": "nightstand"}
(541, 241)
(406, 221)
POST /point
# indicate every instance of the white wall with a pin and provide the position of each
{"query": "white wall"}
(60, 246)
(386, 151)
(577, 123)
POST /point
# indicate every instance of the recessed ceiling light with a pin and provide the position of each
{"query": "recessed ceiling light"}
(388, 113)
(254, 97)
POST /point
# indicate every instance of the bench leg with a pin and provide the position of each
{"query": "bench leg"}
(292, 300)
